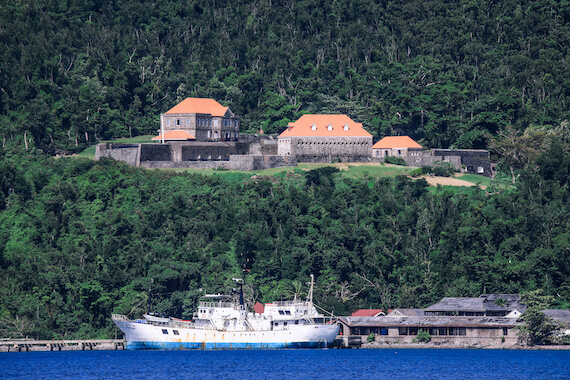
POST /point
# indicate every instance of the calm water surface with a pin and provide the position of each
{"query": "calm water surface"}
(288, 364)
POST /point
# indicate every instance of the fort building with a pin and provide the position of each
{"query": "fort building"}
(325, 138)
(202, 118)
(475, 161)
(397, 146)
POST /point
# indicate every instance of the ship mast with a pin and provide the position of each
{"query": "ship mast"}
(310, 295)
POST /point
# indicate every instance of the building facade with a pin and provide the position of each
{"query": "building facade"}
(325, 138)
(490, 319)
(204, 119)
(396, 146)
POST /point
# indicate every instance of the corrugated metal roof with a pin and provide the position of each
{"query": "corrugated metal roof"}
(429, 321)
(406, 312)
(559, 315)
(486, 302)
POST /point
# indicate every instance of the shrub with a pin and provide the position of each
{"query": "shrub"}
(416, 172)
(395, 160)
(444, 169)
(422, 337)
(370, 338)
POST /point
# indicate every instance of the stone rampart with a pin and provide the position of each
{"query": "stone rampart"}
(186, 164)
(235, 162)
(129, 153)
(155, 152)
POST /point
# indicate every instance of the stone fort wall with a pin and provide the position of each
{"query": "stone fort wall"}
(236, 162)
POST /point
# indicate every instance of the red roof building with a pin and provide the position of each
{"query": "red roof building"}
(367, 313)
(325, 138)
(203, 118)
(175, 135)
(396, 146)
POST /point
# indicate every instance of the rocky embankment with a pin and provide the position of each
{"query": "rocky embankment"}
(430, 345)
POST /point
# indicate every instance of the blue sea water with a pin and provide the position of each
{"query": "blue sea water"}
(288, 364)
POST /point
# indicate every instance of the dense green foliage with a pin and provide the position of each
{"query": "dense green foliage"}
(83, 239)
(538, 328)
(447, 73)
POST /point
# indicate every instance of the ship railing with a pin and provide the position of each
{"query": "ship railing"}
(290, 303)
(217, 304)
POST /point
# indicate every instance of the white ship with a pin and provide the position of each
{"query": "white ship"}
(222, 323)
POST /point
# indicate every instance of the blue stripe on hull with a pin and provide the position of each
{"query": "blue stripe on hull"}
(194, 345)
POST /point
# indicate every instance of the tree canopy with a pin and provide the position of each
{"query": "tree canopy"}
(448, 74)
(83, 239)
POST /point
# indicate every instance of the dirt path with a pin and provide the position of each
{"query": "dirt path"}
(448, 181)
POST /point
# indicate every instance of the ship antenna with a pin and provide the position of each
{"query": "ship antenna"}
(310, 295)
(150, 295)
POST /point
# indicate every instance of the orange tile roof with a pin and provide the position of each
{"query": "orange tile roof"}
(303, 127)
(199, 105)
(393, 142)
(174, 135)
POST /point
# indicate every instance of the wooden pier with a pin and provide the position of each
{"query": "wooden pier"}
(22, 345)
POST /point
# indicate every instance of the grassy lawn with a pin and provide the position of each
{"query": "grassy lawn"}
(349, 170)
(486, 181)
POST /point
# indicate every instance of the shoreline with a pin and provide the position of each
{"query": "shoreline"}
(61, 345)
(443, 346)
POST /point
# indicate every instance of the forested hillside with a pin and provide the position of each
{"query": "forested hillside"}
(444, 72)
(81, 239)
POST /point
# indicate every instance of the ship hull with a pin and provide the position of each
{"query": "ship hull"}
(141, 336)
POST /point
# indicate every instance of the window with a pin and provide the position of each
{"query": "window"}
(281, 312)
(480, 170)
(505, 331)
(287, 312)
(168, 122)
(187, 121)
(175, 332)
(216, 134)
(330, 127)
(346, 127)
(165, 331)
(314, 127)
(209, 134)
(402, 331)
(177, 121)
